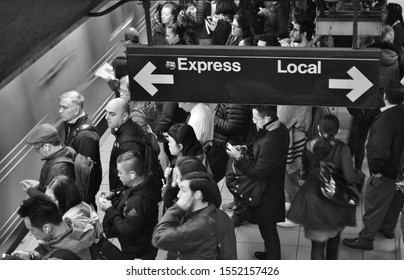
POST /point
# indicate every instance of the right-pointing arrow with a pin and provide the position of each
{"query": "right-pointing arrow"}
(146, 79)
(359, 84)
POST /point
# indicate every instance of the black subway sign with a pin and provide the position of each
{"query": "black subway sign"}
(255, 75)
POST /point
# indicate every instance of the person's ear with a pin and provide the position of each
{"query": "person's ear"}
(47, 147)
(180, 147)
(125, 116)
(47, 229)
(198, 195)
(132, 175)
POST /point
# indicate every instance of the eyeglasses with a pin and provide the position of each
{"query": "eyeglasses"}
(123, 90)
(36, 149)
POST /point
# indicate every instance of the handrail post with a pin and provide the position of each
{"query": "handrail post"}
(146, 7)
(355, 24)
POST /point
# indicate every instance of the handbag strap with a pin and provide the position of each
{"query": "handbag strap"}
(233, 166)
(334, 153)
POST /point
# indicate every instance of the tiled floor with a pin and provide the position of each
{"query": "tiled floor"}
(294, 245)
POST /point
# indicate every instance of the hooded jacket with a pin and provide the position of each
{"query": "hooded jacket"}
(388, 68)
(133, 217)
(77, 240)
(127, 131)
(144, 116)
(50, 169)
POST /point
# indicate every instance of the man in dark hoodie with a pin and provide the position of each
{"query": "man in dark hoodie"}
(125, 131)
(131, 212)
(46, 142)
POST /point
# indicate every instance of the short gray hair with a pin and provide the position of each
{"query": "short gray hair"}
(75, 97)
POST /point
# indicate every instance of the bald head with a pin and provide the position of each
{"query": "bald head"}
(117, 112)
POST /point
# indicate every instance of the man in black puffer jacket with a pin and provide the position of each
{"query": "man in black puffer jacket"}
(125, 130)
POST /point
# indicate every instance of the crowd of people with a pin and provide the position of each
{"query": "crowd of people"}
(281, 147)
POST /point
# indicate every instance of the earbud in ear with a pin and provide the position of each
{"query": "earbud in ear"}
(132, 176)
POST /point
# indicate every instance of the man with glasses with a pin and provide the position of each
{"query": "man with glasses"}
(45, 141)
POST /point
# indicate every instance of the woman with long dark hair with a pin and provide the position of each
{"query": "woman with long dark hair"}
(324, 220)
(225, 10)
(182, 142)
(393, 16)
(240, 29)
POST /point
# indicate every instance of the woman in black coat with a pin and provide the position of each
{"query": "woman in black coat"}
(268, 165)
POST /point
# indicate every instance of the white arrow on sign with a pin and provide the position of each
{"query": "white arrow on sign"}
(359, 84)
(146, 79)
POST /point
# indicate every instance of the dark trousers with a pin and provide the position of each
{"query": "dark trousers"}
(271, 241)
(217, 158)
(361, 122)
(382, 207)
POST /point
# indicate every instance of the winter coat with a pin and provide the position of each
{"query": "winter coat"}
(270, 150)
(194, 238)
(123, 144)
(222, 31)
(170, 114)
(144, 116)
(50, 170)
(83, 214)
(232, 122)
(386, 142)
(388, 69)
(309, 207)
(76, 240)
(86, 143)
(297, 119)
(133, 216)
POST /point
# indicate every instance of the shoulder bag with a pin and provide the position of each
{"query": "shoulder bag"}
(333, 184)
(243, 187)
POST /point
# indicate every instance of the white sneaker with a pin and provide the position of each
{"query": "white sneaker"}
(287, 224)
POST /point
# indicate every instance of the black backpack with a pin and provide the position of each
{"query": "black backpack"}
(151, 152)
(83, 166)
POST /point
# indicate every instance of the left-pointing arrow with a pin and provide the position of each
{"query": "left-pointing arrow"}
(146, 79)
(359, 84)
